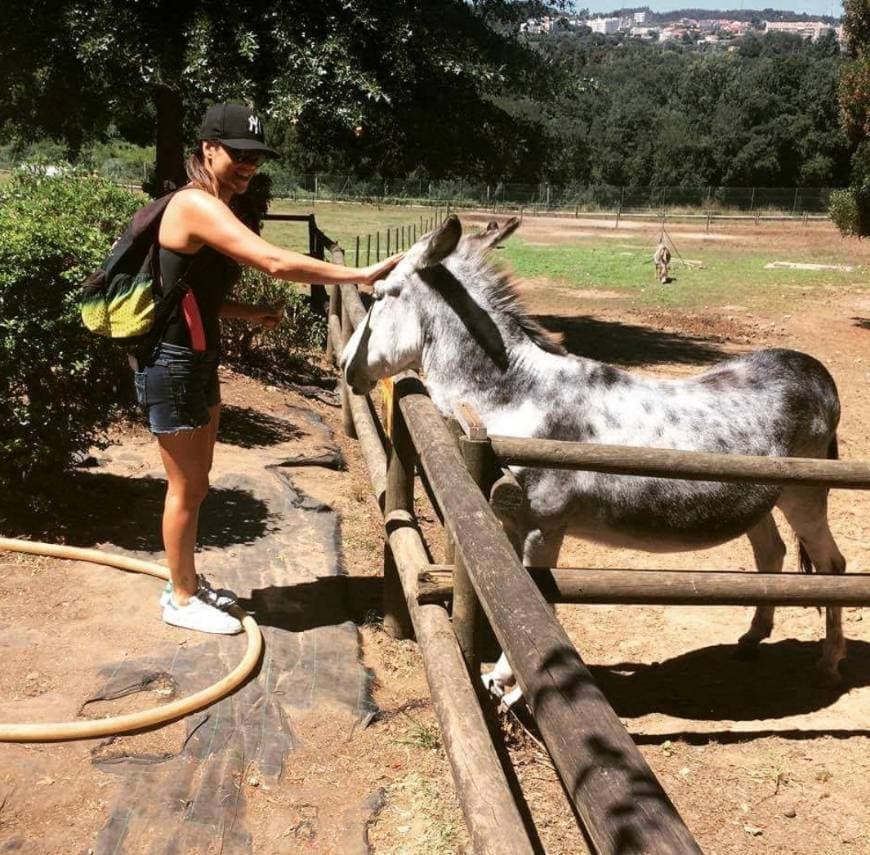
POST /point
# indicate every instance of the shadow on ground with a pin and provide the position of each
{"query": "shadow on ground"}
(628, 344)
(88, 508)
(711, 683)
(326, 601)
(864, 323)
(249, 428)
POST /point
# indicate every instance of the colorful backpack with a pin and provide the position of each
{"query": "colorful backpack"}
(123, 300)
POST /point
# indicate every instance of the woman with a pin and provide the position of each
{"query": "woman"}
(203, 241)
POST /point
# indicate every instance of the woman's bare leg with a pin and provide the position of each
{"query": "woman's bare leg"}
(187, 458)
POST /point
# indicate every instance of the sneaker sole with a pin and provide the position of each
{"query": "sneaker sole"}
(230, 629)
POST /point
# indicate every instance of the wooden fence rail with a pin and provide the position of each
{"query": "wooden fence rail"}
(621, 804)
(687, 465)
(673, 587)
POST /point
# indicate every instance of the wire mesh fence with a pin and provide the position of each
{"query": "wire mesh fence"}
(311, 188)
(315, 187)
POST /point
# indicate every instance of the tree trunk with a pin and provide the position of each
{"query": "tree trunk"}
(169, 170)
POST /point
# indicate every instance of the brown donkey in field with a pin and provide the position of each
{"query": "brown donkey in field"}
(662, 259)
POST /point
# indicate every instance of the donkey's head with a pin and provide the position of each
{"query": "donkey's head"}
(391, 338)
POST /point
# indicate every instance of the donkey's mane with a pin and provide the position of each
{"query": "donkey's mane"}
(500, 286)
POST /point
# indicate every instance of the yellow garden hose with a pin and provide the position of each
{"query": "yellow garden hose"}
(58, 731)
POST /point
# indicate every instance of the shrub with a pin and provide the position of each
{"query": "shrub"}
(59, 384)
(844, 211)
(282, 349)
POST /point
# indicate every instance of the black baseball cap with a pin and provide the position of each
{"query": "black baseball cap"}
(236, 126)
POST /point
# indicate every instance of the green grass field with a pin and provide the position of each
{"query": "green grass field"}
(715, 272)
(343, 222)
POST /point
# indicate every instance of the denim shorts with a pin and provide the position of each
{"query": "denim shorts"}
(176, 386)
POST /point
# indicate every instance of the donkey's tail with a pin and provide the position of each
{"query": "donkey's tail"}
(806, 565)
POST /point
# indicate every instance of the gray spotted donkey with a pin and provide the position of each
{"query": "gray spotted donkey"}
(448, 312)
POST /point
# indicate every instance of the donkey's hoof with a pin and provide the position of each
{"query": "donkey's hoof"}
(828, 675)
(493, 685)
(510, 698)
(747, 649)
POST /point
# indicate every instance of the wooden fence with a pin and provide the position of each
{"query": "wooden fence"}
(619, 803)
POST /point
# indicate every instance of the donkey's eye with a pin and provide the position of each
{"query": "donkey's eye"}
(385, 288)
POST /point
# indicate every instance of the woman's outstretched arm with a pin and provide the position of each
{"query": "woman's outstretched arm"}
(195, 218)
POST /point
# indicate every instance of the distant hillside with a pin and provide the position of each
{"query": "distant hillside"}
(730, 14)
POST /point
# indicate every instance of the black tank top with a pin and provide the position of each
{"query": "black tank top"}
(210, 276)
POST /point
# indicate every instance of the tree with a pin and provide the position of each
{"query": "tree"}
(855, 105)
(385, 82)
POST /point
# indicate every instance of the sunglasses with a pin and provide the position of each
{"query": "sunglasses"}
(254, 158)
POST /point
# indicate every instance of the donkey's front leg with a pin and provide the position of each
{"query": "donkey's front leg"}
(539, 549)
(769, 551)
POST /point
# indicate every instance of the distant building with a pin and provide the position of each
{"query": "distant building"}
(536, 26)
(604, 25)
(812, 30)
(648, 33)
(641, 17)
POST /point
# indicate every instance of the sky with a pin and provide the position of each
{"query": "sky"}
(811, 7)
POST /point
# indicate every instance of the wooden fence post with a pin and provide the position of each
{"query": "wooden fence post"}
(399, 497)
(455, 430)
(377, 246)
(468, 618)
(356, 256)
(334, 309)
(346, 414)
(368, 249)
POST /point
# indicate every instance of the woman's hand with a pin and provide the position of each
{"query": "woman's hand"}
(371, 274)
(268, 317)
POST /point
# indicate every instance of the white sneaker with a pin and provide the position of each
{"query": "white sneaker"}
(201, 616)
(220, 598)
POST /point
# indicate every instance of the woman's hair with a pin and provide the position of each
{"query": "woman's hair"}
(202, 178)
(198, 173)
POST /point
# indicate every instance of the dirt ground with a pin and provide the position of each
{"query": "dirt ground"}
(756, 756)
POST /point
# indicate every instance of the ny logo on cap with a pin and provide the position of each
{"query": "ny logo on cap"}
(254, 125)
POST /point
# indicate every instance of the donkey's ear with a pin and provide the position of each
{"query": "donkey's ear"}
(441, 243)
(494, 234)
